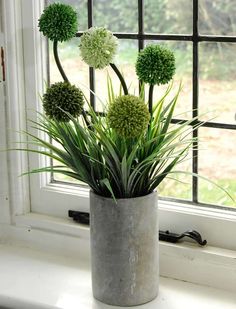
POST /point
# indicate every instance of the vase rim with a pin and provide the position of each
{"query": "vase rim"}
(120, 199)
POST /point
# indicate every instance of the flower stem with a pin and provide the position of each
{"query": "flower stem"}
(150, 99)
(59, 66)
(124, 86)
(58, 63)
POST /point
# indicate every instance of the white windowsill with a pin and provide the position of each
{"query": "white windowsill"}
(208, 266)
(32, 279)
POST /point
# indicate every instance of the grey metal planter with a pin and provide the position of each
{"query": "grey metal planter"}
(124, 249)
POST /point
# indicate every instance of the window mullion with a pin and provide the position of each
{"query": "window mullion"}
(195, 99)
(140, 25)
(91, 70)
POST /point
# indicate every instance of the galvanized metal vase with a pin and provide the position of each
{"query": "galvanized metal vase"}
(124, 249)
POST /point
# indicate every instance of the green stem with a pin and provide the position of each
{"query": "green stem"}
(150, 99)
(58, 63)
(59, 66)
(124, 86)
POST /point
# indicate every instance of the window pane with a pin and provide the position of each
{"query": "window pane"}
(178, 185)
(64, 178)
(168, 16)
(217, 17)
(116, 15)
(125, 61)
(218, 81)
(183, 56)
(81, 8)
(217, 162)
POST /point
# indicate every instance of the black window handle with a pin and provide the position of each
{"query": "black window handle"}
(83, 218)
(79, 217)
(174, 238)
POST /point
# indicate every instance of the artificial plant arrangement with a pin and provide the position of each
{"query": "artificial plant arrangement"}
(131, 150)
(122, 155)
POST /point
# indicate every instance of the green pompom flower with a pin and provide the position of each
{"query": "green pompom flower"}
(58, 22)
(128, 115)
(155, 65)
(60, 98)
(98, 47)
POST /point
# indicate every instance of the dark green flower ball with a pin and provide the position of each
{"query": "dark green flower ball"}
(155, 65)
(59, 22)
(60, 98)
(128, 115)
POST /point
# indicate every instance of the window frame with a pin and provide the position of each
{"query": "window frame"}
(33, 200)
(4, 190)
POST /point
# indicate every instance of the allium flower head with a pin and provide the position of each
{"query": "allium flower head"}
(98, 47)
(58, 22)
(60, 98)
(155, 65)
(128, 115)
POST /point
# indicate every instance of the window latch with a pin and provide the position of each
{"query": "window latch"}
(79, 217)
(83, 218)
(2, 64)
(174, 238)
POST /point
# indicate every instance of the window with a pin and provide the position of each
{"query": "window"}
(180, 32)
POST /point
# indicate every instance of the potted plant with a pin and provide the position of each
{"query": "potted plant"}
(122, 156)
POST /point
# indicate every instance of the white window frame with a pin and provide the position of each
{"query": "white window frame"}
(36, 202)
(4, 192)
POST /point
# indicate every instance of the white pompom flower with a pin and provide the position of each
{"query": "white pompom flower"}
(98, 47)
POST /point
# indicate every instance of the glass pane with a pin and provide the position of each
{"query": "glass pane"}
(217, 81)
(217, 17)
(81, 8)
(183, 56)
(168, 16)
(64, 178)
(125, 61)
(178, 185)
(217, 162)
(116, 15)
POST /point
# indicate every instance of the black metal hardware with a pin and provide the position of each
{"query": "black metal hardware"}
(174, 238)
(79, 217)
(83, 218)
(92, 81)
(2, 64)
